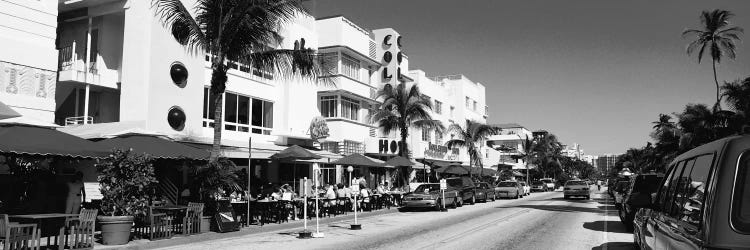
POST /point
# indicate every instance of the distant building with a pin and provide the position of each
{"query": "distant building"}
(605, 162)
(574, 151)
(509, 143)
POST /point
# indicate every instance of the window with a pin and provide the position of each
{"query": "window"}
(468, 103)
(475, 106)
(350, 108)
(351, 147)
(667, 199)
(328, 106)
(350, 66)
(262, 117)
(438, 138)
(208, 108)
(690, 194)
(741, 201)
(328, 63)
(438, 107)
(330, 146)
(426, 135)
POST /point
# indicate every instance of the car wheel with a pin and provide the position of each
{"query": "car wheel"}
(494, 197)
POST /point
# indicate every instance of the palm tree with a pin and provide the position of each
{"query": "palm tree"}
(664, 123)
(715, 34)
(527, 154)
(402, 108)
(474, 133)
(548, 152)
(232, 31)
(737, 94)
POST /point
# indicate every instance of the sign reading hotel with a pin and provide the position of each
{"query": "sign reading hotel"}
(383, 146)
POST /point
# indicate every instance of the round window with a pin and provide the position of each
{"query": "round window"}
(179, 74)
(176, 118)
(387, 56)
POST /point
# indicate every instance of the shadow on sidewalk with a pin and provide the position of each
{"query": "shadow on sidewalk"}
(615, 246)
(606, 226)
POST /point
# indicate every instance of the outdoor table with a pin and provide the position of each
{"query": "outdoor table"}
(265, 209)
(49, 224)
(240, 210)
(176, 211)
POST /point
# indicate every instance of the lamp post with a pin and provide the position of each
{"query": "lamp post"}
(316, 173)
(355, 226)
(427, 173)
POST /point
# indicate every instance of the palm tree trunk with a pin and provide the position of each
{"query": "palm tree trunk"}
(403, 150)
(218, 85)
(716, 80)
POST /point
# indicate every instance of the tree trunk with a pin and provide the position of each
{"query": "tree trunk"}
(716, 80)
(403, 150)
(218, 85)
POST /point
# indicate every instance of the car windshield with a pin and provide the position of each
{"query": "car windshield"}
(506, 184)
(427, 188)
(576, 183)
(454, 182)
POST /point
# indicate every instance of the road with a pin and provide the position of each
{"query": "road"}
(539, 221)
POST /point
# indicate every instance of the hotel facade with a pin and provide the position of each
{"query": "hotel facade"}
(101, 68)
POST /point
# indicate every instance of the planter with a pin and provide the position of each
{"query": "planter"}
(305, 234)
(115, 229)
(205, 224)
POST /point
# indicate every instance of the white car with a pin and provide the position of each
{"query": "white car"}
(526, 188)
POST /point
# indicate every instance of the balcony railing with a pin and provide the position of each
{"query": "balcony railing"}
(68, 61)
(78, 120)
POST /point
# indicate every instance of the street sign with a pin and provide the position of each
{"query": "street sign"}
(443, 184)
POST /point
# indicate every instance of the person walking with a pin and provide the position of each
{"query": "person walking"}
(599, 184)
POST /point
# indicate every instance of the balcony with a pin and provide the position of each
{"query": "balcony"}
(71, 68)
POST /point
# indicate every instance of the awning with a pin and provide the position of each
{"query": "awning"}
(295, 152)
(7, 112)
(263, 151)
(440, 163)
(32, 140)
(454, 169)
(483, 171)
(400, 161)
(103, 130)
(156, 147)
(28, 121)
(359, 160)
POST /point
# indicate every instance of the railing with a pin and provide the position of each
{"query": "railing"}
(78, 120)
(169, 190)
(67, 57)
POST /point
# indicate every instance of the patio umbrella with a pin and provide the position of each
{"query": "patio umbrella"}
(7, 112)
(452, 169)
(295, 152)
(399, 161)
(155, 146)
(484, 172)
(21, 139)
(357, 159)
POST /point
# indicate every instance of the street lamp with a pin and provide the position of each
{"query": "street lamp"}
(427, 171)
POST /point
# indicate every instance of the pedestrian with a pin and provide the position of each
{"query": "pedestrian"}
(76, 194)
(599, 184)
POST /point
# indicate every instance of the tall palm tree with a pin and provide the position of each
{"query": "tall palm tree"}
(230, 31)
(402, 108)
(470, 137)
(548, 153)
(716, 34)
(664, 122)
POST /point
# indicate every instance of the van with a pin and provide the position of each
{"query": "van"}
(466, 189)
(703, 201)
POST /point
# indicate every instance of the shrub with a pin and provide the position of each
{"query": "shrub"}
(127, 182)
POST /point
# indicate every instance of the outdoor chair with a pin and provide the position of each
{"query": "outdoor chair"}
(191, 223)
(286, 209)
(342, 205)
(160, 224)
(78, 233)
(18, 236)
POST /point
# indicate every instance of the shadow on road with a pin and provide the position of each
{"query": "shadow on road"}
(606, 226)
(578, 200)
(607, 207)
(559, 208)
(615, 246)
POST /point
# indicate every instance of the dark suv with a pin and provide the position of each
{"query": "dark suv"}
(638, 196)
(466, 189)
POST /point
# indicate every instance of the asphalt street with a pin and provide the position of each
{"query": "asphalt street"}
(538, 221)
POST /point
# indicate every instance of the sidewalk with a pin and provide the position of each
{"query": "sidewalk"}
(297, 225)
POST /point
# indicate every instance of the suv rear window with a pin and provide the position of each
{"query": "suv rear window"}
(741, 198)
(577, 183)
(506, 184)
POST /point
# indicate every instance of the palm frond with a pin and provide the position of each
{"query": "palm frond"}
(455, 143)
(180, 22)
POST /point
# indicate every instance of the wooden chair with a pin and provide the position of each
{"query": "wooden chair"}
(161, 224)
(78, 233)
(18, 236)
(191, 223)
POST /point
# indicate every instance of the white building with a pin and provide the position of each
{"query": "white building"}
(573, 151)
(509, 143)
(121, 70)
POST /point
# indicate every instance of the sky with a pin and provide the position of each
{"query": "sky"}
(593, 72)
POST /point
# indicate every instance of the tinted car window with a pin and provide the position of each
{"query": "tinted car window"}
(741, 198)
(675, 197)
(454, 182)
(667, 193)
(691, 192)
(576, 183)
(506, 184)
(428, 187)
(537, 183)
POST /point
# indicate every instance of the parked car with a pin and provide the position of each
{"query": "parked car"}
(526, 188)
(466, 189)
(638, 196)
(428, 195)
(538, 186)
(509, 189)
(549, 184)
(576, 188)
(485, 192)
(621, 188)
(703, 201)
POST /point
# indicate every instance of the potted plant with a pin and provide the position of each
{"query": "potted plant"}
(127, 182)
(212, 178)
